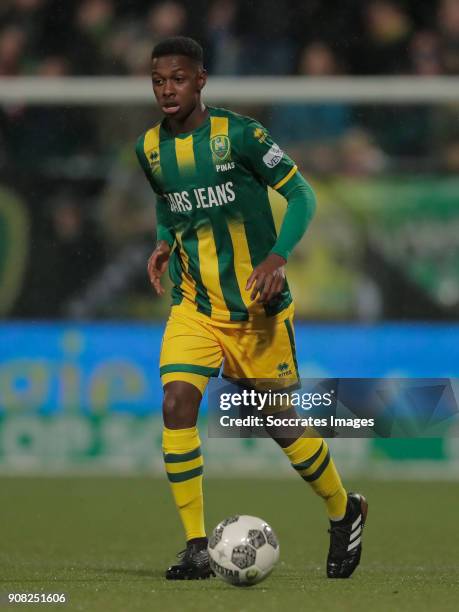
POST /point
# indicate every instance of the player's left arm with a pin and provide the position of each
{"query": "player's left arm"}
(275, 168)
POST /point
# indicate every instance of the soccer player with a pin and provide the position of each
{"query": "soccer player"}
(210, 169)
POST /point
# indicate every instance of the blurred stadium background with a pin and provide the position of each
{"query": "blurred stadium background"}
(364, 95)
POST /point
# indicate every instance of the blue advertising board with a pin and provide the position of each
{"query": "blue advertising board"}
(47, 368)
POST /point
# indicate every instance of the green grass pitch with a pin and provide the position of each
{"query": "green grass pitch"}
(106, 542)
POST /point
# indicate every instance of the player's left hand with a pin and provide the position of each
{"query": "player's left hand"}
(267, 279)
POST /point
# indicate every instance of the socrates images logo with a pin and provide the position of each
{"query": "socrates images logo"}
(221, 148)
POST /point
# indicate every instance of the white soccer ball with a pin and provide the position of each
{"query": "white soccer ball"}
(243, 550)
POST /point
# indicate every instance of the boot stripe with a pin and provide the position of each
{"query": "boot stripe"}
(356, 522)
(355, 533)
(354, 544)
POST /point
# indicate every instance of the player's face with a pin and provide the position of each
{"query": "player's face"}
(177, 83)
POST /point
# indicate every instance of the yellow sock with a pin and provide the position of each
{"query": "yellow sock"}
(310, 457)
(184, 465)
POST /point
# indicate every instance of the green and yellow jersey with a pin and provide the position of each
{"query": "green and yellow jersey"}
(213, 208)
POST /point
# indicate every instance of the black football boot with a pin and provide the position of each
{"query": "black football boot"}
(193, 562)
(346, 538)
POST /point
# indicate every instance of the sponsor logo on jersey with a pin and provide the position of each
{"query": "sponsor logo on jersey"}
(225, 167)
(201, 197)
(221, 148)
(273, 156)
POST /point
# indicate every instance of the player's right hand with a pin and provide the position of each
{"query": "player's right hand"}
(157, 264)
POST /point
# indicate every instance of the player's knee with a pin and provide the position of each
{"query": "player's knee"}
(284, 431)
(175, 410)
(180, 406)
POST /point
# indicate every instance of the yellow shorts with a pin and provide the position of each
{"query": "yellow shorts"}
(194, 348)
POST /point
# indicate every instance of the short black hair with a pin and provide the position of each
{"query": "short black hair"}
(179, 45)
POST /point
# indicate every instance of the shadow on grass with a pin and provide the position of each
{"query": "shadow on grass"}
(91, 574)
(128, 571)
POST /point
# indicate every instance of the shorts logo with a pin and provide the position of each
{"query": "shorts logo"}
(221, 148)
(273, 156)
(283, 369)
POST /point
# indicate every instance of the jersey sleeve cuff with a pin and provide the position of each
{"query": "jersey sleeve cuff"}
(280, 252)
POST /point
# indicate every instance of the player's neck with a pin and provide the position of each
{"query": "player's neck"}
(194, 120)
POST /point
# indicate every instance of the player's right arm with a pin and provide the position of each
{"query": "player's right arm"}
(157, 265)
(158, 260)
(165, 238)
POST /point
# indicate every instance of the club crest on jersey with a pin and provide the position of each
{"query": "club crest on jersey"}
(221, 148)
